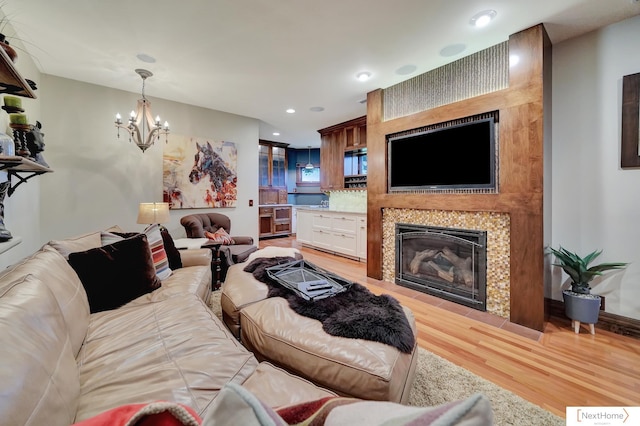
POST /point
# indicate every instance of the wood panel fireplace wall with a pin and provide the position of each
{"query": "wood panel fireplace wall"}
(524, 121)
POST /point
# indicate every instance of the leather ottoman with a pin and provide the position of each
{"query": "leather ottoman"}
(351, 367)
(241, 289)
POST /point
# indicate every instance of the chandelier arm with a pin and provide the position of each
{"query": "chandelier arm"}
(134, 131)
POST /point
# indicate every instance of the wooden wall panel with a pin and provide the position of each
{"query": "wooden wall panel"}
(629, 157)
(520, 166)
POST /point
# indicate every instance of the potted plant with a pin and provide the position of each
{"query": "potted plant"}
(580, 304)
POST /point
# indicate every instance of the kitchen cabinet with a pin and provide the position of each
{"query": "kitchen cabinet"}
(355, 134)
(304, 226)
(336, 232)
(361, 235)
(337, 147)
(272, 173)
(331, 152)
(274, 220)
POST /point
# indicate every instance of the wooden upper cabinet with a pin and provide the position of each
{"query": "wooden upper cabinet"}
(331, 152)
(355, 134)
(272, 172)
(335, 140)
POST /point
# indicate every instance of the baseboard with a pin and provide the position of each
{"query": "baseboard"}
(606, 321)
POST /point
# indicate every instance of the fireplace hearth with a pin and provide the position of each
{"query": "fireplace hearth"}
(449, 263)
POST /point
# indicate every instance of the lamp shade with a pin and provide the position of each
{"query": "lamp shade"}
(153, 213)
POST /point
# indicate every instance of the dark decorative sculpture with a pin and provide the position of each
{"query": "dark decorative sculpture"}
(29, 141)
(4, 232)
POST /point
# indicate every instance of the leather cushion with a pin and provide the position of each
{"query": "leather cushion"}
(39, 380)
(117, 273)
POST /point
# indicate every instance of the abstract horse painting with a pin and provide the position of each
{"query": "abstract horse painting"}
(199, 173)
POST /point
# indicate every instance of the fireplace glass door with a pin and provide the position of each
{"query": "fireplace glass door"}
(449, 263)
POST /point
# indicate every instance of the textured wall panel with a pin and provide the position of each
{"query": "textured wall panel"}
(483, 72)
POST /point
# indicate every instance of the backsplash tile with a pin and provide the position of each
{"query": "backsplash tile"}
(350, 201)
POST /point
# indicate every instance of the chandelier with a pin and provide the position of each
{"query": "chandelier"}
(142, 127)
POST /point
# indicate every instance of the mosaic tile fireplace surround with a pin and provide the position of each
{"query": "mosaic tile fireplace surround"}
(496, 226)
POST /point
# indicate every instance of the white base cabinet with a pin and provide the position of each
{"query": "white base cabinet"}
(337, 232)
(304, 226)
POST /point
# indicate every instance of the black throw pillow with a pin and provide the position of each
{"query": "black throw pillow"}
(117, 273)
(173, 254)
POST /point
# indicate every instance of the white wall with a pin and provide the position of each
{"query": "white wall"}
(595, 203)
(99, 180)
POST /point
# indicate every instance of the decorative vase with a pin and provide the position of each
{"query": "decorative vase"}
(7, 147)
(584, 308)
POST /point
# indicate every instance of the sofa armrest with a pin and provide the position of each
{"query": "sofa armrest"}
(243, 240)
(195, 257)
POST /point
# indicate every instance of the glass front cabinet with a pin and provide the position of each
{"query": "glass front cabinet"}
(272, 172)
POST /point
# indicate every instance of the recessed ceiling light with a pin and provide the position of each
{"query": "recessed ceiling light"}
(146, 58)
(317, 109)
(406, 69)
(363, 76)
(452, 49)
(513, 60)
(483, 18)
(291, 110)
(276, 134)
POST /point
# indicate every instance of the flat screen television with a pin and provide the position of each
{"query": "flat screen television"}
(460, 156)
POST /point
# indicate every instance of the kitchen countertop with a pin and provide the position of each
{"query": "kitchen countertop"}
(327, 209)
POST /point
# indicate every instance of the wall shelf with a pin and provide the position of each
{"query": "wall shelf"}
(21, 168)
(7, 245)
(11, 82)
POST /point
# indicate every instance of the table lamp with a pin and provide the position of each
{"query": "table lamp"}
(152, 213)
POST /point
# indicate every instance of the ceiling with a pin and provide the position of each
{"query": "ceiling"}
(257, 58)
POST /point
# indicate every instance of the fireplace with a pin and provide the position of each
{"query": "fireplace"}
(449, 263)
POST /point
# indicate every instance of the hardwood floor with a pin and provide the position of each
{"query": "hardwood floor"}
(554, 369)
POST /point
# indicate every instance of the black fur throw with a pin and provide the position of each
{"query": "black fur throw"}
(356, 313)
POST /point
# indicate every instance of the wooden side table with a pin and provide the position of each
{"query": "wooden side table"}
(216, 269)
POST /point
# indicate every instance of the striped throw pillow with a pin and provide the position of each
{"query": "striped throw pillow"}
(159, 255)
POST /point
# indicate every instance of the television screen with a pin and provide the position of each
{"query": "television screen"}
(456, 157)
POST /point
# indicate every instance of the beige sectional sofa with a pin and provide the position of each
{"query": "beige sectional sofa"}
(60, 364)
